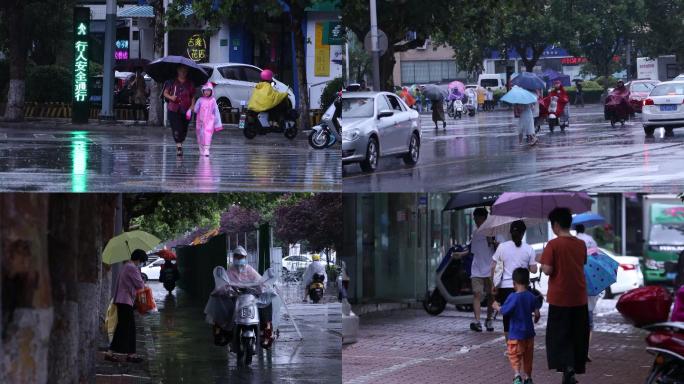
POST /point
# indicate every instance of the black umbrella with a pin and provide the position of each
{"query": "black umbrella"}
(165, 69)
(470, 200)
(130, 65)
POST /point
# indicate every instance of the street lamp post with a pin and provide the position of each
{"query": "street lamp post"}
(107, 112)
(374, 45)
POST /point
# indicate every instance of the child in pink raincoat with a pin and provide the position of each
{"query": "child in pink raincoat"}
(208, 118)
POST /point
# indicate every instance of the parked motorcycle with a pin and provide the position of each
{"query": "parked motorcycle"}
(452, 285)
(256, 123)
(666, 342)
(317, 288)
(327, 133)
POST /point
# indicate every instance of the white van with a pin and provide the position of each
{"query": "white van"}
(492, 80)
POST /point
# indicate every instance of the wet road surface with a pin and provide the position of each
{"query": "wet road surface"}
(118, 158)
(482, 153)
(179, 346)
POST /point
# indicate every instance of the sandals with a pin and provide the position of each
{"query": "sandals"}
(112, 358)
(115, 359)
(134, 359)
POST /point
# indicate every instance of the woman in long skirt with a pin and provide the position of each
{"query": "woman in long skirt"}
(128, 283)
(526, 123)
(438, 113)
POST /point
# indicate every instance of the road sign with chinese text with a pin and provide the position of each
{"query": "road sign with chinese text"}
(80, 100)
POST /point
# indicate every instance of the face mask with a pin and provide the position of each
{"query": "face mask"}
(240, 262)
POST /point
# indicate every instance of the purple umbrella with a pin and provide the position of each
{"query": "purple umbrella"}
(539, 204)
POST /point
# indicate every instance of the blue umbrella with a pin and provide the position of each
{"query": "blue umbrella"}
(518, 95)
(600, 272)
(588, 219)
(529, 81)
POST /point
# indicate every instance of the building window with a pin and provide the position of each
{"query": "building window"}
(428, 71)
(136, 35)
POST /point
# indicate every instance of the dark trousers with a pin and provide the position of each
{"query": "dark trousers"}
(278, 112)
(567, 338)
(501, 296)
(179, 126)
(124, 334)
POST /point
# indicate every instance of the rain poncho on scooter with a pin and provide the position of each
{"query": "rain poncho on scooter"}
(220, 307)
(265, 97)
(316, 267)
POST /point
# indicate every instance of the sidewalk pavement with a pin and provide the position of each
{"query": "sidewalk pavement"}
(410, 346)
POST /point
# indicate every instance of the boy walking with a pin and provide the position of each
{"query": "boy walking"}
(520, 306)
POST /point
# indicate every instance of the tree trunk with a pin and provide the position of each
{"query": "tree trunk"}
(156, 115)
(108, 231)
(387, 63)
(297, 17)
(62, 251)
(89, 258)
(26, 301)
(18, 52)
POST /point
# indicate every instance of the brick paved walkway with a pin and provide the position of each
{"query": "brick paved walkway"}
(409, 346)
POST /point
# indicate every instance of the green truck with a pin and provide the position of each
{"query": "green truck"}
(664, 225)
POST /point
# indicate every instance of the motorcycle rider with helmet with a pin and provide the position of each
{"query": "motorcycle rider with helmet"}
(266, 98)
(316, 267)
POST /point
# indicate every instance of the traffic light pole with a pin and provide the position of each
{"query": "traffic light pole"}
(107, 112)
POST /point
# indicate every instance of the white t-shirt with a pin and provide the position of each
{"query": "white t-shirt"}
(513, 257)
(482, 256)
(588, 240)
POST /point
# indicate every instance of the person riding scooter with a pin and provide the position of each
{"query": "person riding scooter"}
(168, 274)
(617, 107)
(555, 103)
(266, 98)
(221, 314)
(317, 267)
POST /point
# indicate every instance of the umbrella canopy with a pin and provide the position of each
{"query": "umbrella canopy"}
(166, 254)
(539, 204)
(131, 64)
(470, 200)
(588, 219)
(529, 81)
(519, 95)
(165, 69)
(600, 272)
(119, 248)
(435, 92)
(458, 85)
(501, 225)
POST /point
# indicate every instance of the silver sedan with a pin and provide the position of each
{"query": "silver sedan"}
(376, 124)
(664, 107)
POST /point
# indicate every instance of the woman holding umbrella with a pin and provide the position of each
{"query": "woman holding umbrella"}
(523, 103)
(180, 96)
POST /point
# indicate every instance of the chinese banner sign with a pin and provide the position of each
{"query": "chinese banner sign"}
(81, 105)
(333, 33)
(321, 54)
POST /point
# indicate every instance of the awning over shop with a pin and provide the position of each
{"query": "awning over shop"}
(470, 200)
(137, 11)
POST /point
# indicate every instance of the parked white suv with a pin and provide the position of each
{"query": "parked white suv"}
(235, 82)
(295, 262)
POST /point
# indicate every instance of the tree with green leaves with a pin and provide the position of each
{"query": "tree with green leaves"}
(23, 37)
(600, 31)
(474, 29)
(663, 20)
(396, 18)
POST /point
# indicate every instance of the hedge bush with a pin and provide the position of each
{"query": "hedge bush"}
(330, 92)
(48, 83)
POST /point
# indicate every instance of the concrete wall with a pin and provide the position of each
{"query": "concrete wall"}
(217, 53)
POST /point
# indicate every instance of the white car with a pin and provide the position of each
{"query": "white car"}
(664, 107)
(295, 263)
(629, 274)
(235, 83)
(151, 270)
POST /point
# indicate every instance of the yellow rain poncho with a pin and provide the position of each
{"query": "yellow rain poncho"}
(265, 97)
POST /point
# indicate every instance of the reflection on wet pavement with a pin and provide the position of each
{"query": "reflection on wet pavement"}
(183, 350)
(143, 159)
(482, 152)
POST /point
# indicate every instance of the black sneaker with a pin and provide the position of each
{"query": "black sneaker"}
(518, 380)
(569, 378)
(477, 327)
(528, 381)
(489, 326)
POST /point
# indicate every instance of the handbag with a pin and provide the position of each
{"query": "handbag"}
(144, 301)
(111, 319)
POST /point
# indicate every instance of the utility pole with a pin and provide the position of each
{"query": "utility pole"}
(107, 112)
(374, 45)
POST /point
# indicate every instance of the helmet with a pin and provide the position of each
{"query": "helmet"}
(267, 75)
(316, 257)
(240, 250)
